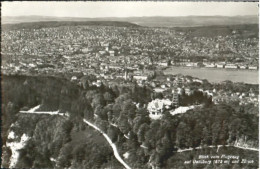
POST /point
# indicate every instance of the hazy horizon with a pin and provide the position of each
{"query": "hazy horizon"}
(128, 9)
(129, 16)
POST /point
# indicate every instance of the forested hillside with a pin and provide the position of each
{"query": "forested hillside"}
(120, 111)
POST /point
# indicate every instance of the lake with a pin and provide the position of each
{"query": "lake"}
(217, 75)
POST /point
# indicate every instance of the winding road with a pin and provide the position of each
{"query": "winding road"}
(111, 144)
(116, 153)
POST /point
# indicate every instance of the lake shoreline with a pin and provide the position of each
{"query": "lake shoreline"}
(215, 75)
(209, 68)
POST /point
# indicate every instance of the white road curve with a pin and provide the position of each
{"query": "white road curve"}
(33, 110)
(110, 142)
(41, 112)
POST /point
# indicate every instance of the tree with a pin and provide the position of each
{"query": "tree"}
(151, 136)
(102, 124)
(183, 135)
(128, 108)
(141, 132)
(134, 89)
(166, 123)
(84, 82)
(90, 95)
(216, 127)
(155, 160)
(98, 100)
(88, 112)
(123, 124)
(116, 110)
(138, 121)
(100, 112)
(142, 112)
(65, 156)
(108, 97)
(223, 135)
(115, 90)
(112, 132)
(166, 145)
(206, 137)
(78, 152)
(123, 97)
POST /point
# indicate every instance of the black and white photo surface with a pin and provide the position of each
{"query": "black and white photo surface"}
(135, 85)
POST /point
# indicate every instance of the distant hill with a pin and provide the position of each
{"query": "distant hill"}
(244, 31)
(194, 21)
(46, 24)
(156, 21)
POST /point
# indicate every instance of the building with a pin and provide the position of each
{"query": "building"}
(107, 46)
(175, 100)
(112, 53)
(230, 66)
(188, 91)
(85, 50)
(252, 67)
(163, 64)
(156, 108)
(140, 77)
(242, 67)
(220, 66)
(175, 97)
(209, 65)
(74, 78)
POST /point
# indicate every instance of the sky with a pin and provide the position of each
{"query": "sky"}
(127, 9)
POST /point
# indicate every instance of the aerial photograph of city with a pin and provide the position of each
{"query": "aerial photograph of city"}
(130, 85)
